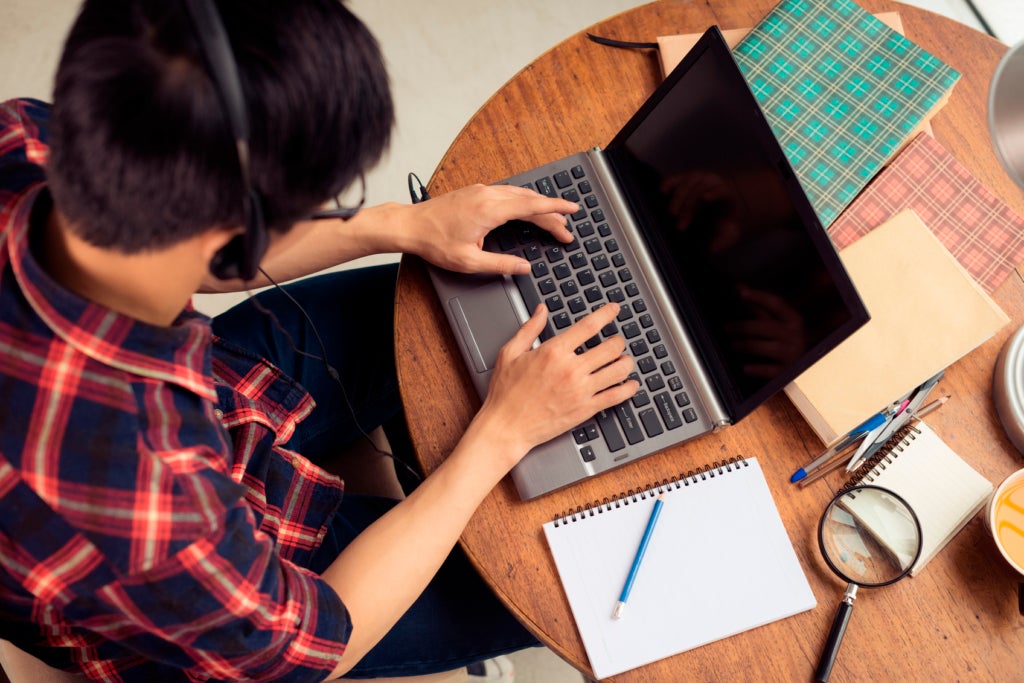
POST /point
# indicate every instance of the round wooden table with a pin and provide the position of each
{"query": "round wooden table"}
(957, 619)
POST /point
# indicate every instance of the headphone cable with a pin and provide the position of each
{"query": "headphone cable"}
(331, 371)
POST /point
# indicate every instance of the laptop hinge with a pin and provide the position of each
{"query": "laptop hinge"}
(676, 326)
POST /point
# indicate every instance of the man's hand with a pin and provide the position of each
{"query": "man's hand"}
(539, 393)
(450, 229)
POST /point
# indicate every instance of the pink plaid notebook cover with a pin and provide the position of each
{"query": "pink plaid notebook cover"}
(984, 234)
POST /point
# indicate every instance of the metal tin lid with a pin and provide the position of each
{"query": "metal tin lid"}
(1008, 388)
(1006, 112)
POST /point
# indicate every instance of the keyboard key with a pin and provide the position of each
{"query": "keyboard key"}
(577, 172)
(592, 293)
(587, 453)
(597, 216)
(506, 240)
(570, 288)
(649, 419)
(546, 187)
(653, 336)
(611, 329)
(554, 303)
(576, 304)
(632, 289)
(675, 383)
(547, 285)
(579, 215)
(591, 431)
(618, 260)
(625, 275)
(586, 277)
(607, 279)
(539, 269)
(572, 246)
(641, 398)
(625, 313)
(577, 260)
(580, 435)
(563, 180)
(585, 229)
(668, 368)
(682, 400)
(593, 341)
(629, 424)
(571, 195)
(668, 411)
(585, 188)
(655, 383)
(610, 431)
(561, 320)
(592, 246)
(532, 252)
(638, 348)
(590, 201)
(600, 262)
(647, 365)
(611, 246)
(561, 271)
(639, 305)
(603, 230)
(630, 330)
(554, 254)
(616, 295)
(690, 415)
(660, 351)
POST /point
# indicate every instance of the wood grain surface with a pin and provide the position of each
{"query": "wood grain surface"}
(957, 620)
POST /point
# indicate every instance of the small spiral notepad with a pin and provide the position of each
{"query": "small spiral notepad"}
(719, 527)
(940, 487)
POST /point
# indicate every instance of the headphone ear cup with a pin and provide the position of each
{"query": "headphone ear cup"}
(240, 257)
(225, 263)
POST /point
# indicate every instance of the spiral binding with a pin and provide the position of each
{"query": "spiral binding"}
(690, 478)
(876, 464)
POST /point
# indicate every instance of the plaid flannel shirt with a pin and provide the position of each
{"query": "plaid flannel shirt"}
(152, 526)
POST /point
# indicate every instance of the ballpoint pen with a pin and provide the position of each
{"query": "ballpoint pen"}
(908, 406)
(840, 446)
(638, 558)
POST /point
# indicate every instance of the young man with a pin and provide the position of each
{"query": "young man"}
(160, 516)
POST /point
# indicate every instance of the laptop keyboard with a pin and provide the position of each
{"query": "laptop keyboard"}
(577, 278)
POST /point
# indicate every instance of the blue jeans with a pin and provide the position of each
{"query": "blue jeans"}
(457, 620)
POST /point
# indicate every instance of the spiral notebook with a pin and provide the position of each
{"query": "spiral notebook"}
(941, 488)
(719, 563)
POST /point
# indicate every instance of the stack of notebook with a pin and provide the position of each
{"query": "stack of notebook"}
(843, 91)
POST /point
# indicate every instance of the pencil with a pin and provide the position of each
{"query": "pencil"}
(639, 557)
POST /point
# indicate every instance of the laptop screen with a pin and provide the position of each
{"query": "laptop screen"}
(749, 264)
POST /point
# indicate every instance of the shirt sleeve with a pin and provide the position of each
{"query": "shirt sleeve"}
(225, 607)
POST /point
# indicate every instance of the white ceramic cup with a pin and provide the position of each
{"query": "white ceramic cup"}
(1014, 480)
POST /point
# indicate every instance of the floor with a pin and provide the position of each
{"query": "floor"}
(443, 62)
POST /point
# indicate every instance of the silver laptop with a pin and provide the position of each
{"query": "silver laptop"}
(692, 219)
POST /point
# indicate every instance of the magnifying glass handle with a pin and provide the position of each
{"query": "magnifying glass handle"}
(835, 635)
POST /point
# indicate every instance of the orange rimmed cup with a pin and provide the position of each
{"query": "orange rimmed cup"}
(1006, 522)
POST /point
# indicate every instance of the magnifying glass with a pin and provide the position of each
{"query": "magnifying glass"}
(870, 537)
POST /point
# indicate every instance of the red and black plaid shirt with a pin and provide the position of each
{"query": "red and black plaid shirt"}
(151, 523)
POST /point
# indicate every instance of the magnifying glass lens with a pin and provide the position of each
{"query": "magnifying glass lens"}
(870, 537)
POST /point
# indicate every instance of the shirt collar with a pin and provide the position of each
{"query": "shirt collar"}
(179, 354)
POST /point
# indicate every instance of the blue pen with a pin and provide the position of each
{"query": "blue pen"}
(855, 435)
(621, 604)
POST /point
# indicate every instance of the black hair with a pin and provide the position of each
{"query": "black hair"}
(141, 154)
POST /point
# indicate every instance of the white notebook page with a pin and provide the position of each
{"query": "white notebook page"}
(940, 487)
(719, 563)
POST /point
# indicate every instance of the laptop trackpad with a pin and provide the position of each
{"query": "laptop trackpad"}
(486, 320)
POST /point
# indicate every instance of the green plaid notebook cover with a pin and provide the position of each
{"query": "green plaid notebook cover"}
(842, 91)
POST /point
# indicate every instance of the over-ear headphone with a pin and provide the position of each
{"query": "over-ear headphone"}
(241, 257)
